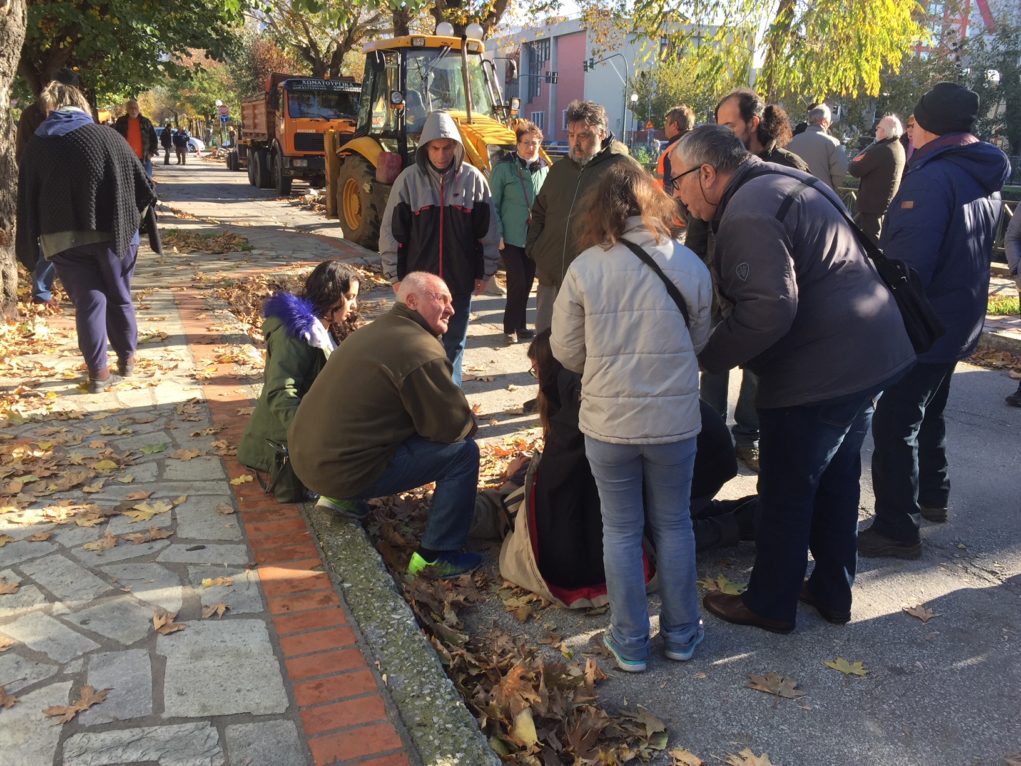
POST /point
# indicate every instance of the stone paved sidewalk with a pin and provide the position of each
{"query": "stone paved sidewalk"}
(280, 678)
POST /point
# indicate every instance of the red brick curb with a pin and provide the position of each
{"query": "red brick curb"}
(341, 705)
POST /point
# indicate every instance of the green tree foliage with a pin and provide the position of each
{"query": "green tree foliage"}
(320, 33)
(123, 46)
(257, 58)
(810, 48)
(994, 72)
(673, 82)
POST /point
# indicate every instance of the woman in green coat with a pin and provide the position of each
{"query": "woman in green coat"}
(515, 182)
(300, 333)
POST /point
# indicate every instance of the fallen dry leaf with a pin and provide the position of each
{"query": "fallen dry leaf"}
(855, 668)
(747, 758)
(40, 537)
(4, 539)
(683, 757)
(180, 499)
(6, 642)
(6, 588)
(164, 623)
(723, 584)
(186, 454)
(920, 612)
(7, 701)
(144, 511)
(774, 683)
(139, 495)
(242, 479)
(217, 609)
(212, 582)
(105, 543)
(225, 508)
(93, 488)
(87, 697)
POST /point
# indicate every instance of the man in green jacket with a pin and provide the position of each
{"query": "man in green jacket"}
(384, 416)
(592, 150)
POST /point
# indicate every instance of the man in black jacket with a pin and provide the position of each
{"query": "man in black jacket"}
(166, 141)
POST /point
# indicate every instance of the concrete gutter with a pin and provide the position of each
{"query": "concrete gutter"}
(439, 724)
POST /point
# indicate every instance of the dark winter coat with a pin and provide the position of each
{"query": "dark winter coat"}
(79, 176)
(879, 167)
(167, 137)
(292, 363)
(550, 241)
(516, 184)
(442, 223)
(943, 223)
(180, 139)
(149, 140)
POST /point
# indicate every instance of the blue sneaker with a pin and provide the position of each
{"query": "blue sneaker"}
(448, 564)
(353, 510)
(685, 651)
(628, 666)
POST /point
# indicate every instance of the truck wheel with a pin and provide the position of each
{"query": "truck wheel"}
(233, 164)
(280, 181)
(251, 168)
(359, 217)
(263, 174)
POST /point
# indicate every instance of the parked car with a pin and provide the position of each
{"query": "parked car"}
(194, 144)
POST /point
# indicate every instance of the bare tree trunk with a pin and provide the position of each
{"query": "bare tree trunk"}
(12, 35)
(402, 22)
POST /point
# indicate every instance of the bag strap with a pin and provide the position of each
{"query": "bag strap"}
(671, 288)
(528, 204)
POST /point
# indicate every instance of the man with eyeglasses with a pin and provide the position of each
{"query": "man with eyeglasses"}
(804, 309)
(385, 416)
(592, 150)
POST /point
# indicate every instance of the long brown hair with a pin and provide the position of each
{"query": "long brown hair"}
(625, 190)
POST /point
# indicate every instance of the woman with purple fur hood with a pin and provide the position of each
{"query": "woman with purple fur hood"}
(300, 333)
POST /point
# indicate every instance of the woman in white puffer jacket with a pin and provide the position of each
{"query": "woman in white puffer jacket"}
(615, 322)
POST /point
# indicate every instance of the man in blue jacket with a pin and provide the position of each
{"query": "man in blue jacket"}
(943, 223)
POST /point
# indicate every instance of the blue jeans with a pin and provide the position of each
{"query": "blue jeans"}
(664, 471)
(909, 467)
(809, 473)
(713, 390)
(98, 281)
(457, 333)
(42, 280)
(454, 468)
(147, 164)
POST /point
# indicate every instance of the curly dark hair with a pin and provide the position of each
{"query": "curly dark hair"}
(327, 283)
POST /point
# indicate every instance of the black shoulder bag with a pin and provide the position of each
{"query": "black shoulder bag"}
(671, 288)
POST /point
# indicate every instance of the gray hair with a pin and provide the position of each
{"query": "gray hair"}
(893, 127)
(56, 95)
(818, 114)
(592, 114)
(714, 145)
(417, 283)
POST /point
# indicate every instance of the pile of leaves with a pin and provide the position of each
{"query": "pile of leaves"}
(213, 242)
(535, 706)
(999, 360)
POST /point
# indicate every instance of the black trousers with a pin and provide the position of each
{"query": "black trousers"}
(520, 275)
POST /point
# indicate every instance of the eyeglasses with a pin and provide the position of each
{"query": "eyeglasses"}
(532, 371)
(673, 182)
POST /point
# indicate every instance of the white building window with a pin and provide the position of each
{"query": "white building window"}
(539, 118)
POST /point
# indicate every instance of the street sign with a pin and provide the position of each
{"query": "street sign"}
(224, 119)
(224, 110)
(649, 125)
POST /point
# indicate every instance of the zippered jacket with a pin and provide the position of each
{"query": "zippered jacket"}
(943, 223)
(440, 222)
(550, 241)
(515, 185)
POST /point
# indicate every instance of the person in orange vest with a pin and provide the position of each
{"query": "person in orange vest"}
(138, 131)
(677, 122)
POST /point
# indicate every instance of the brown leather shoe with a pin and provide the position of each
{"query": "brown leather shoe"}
(733, 609)
(807, 597)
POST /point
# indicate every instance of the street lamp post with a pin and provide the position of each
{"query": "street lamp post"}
(591, 64)
(634, 123)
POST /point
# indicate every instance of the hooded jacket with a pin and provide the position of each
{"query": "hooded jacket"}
(440, 222)
(550, 241)
(943, 223)
(296, 352)
(76, 176)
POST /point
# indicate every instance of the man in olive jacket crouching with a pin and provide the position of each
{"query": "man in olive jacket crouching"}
(384, 416)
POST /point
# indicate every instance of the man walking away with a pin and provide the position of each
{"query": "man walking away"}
(880, 168)
(166, 141)
(824, 154)
(139, 133)
(943, 223)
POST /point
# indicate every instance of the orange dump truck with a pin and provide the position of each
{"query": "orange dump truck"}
(282, 130)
